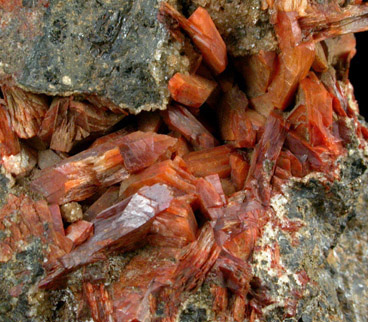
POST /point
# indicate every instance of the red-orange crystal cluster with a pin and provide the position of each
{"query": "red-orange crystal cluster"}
(193, 183)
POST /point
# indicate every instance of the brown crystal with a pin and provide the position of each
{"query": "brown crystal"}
(210, 161)
(69, 121)
(190, 90)
(211, 196)
(79, 231)
(22, 163)
(26, 110)
(9, 143)
(173, 173)
(27, 219)
(79, 177)
(204, 34)
(257, 71)
(264, 158)
(239, 170)
(176, 226)
(181, 120)
(236, 127)
(122, 226)
(106, 200)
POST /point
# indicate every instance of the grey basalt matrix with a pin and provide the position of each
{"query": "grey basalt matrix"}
(114, 49)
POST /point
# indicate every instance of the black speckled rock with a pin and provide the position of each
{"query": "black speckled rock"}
(116, 49)
(314, 280)
(3, 188)
(19, 276)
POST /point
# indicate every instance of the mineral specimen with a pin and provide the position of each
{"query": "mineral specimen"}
(78, 177)
(26, 110)
(180, 119)
(9, 143)
(244, 200)
(67, 122)
(190, 90)
(204, 34)
(122, 227)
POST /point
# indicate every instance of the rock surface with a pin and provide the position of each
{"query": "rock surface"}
(317, 276)
(115, 49)
(245, 27)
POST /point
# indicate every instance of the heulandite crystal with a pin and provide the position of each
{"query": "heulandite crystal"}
(179, 200)
(79, 177)
(67, 122)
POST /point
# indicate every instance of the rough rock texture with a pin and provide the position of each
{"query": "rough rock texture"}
(320, 275)
(23, 270)
(116, 49)
(3, 188)
(245, 28)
